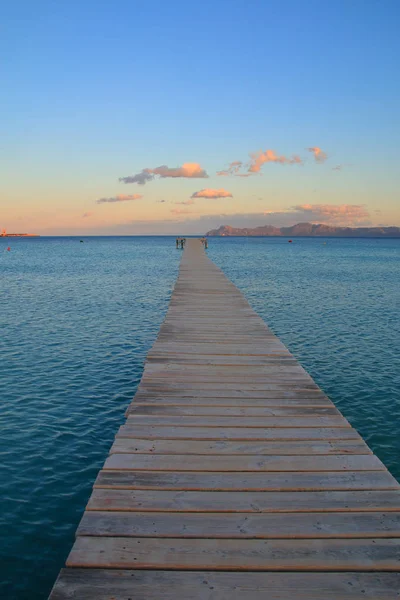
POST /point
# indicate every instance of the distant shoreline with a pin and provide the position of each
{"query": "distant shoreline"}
(197, 235)
(13, 235)
(306, 230)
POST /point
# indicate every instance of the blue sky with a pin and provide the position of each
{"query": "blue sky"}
(95, 91)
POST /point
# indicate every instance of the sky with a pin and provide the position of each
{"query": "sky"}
(128, 117)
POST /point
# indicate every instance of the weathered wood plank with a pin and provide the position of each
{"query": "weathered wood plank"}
(156, 371)
(298, 481)
(273, 385)
(231, 396)
(266, 385)
(240, 525)
(154, 462)
(238, 422)
(234, 501)
(113, 584)
(210, 359)
(223, 447)
(236, 555)
(228, 411)
(237, 433)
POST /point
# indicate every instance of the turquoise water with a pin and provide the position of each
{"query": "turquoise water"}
(77, 320)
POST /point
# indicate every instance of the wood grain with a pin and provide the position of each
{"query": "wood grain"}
(240, 525)
(236, 555)
(223, 447)
(218, 481)
(134, 462)
(254, 501)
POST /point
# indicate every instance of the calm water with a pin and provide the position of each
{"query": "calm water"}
(77, 320)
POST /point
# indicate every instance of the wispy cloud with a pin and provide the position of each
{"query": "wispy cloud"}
(319, 155)
(233, 169)
(209, 193)
(119, 198)
(258, 159)
(186, 202)
(161, 201)
(336, 214)
(87, 214)
(337, 168)
(190, 170)
(140, 178)
(187, 170)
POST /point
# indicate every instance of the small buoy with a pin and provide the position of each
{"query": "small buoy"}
(8, 249)
(290, 241)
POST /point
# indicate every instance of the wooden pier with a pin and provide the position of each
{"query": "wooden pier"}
(234, 477)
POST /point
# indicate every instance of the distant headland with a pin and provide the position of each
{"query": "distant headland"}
(4, 233)
(306, 230)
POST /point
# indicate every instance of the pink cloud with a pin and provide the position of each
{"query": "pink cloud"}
(187, 170)
(334, 212)
(87, 214)
(233, 169)
(208, 193)
(190, 170)
(258, 159)
(337, 214)
(319, 155)
(119, 198)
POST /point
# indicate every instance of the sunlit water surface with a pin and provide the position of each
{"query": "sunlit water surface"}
(77, 320)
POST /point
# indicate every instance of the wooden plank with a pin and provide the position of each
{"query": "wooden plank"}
(220, 554)
(149, 432)
(115, 584)
(238, 422)
(218, 382)
(244, 386)
(231, 396)
(234, 501)
(229, 411)
(183, 462)
(211, 359)
(223, 447)
(157, 371)
(208, 399)
(181, 480)
(240, 525)
(218, 349)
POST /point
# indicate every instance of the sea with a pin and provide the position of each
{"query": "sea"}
(77, 317)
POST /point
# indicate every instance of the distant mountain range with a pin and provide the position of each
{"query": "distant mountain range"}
(306, 230)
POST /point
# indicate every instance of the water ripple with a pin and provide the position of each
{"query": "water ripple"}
(77, 321)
